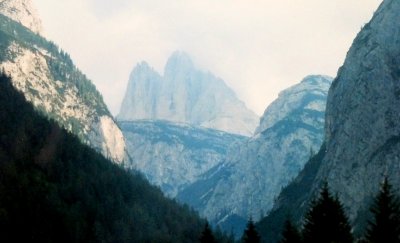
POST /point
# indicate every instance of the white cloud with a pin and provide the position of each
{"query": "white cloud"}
(258, 47)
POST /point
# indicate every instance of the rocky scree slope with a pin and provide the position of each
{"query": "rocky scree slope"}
(184, 94)
(51, 82)
(362, 129)
(254, 171)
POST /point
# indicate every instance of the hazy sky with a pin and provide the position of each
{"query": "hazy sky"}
(259, 47)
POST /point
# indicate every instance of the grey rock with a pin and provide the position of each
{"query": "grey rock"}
(172, 155)
(185, 94)
(362, 130)
(255, 171)
(23, 12)
(54, 85)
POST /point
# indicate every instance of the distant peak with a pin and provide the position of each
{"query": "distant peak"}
(179, 59)
(23, 12)
(143, 65)
(180, 55)
(142, 68)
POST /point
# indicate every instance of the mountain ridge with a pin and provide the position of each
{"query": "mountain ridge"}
(254, 171)
(22, 11)
(185, 94)
(50, 80)
(361, 144)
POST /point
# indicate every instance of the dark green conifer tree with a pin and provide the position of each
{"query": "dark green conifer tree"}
(207, 235)
(385, 226)
(290, 233)
(250, 234)
(326, 221)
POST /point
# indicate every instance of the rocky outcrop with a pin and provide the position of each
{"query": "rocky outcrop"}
(309, 94)
(185, 94)
(255, 171)
(49, 80)
(172, 155)
(362, 130)
(23, 12)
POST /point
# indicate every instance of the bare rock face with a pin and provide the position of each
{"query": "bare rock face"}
(52, 83)
(23, 12)
(255, 171)
(173, 156)
(362, 128)
(185, 94)
(293, 98)
(362, 131)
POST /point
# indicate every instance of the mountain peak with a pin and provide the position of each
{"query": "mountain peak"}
(310, 93)
(317, 79)
(179, 60)
(23, 12)
(185, 94)
(142, 67)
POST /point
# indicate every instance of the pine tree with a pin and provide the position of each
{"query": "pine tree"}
(385, 226)
(250, 234)
(326, 221)
(207, 235)
(290, 233)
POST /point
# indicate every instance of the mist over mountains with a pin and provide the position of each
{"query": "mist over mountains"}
(185, 94)
(72, 172)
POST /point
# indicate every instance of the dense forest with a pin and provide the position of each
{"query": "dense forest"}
(54, 189)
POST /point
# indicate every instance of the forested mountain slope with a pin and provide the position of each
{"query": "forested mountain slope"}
(55, 189)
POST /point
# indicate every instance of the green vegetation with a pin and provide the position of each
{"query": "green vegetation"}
(59, 62)
(54, 189)
(385, 226)
(326, 220)
(250, 234)
(290, 233)
(207, 235)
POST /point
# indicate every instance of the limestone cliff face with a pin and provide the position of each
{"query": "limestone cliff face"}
(310, 94)
(185, 94)
(23, 12)
(362, 130)
(172, 155)
(49, 79)
(255, 171)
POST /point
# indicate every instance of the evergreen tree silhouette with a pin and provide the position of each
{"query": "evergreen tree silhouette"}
(207, 235)
(326, 221)
(250, 234)
(385, 226)
(290, 233)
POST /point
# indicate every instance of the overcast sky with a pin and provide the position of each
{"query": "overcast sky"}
(259, 47)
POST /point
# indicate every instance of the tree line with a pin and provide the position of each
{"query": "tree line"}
(327, 222)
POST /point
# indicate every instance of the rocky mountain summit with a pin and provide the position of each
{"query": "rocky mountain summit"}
(254, 171)
(23, 12)
(52, 83)
(362, 129)
(171, 155)
(185, 94)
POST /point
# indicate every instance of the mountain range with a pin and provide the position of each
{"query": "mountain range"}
(185, 94)
(254, 171)
(361, 145)
(70, 172)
